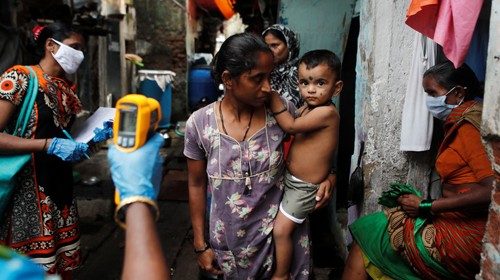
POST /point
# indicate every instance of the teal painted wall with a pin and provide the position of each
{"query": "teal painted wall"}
(321, 24)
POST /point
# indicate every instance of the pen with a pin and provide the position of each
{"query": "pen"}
(71, 138)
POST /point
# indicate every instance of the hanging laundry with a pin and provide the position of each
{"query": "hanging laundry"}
(478, 50)
(450, 23)
(417, 122)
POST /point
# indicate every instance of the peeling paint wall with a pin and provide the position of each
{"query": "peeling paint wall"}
(384, 52)
(490, 258)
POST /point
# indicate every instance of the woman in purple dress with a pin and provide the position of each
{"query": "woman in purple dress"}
(235, 157)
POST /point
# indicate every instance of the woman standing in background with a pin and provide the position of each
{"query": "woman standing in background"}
(285, 45)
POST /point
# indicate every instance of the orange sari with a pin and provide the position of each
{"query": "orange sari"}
(443, 246)
(453, 239)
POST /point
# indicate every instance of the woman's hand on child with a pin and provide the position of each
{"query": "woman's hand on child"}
(67, 150)
(325, 190)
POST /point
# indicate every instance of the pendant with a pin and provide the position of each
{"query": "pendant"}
(248, 186)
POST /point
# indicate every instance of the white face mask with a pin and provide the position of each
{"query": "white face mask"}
(438, 106)
(68, 58)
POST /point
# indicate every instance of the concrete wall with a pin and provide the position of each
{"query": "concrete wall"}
(161, 28)
(384, 52)
(490, 263)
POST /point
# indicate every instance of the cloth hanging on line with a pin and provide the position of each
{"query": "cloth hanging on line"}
(161, 77)
(417, 122)
(450, 23)
(478, 49)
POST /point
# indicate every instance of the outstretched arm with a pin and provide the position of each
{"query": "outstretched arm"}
(143, 255)
(137, 178)
(316, 119)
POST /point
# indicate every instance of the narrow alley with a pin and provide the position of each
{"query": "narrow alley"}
(323, 140)
(103, 240)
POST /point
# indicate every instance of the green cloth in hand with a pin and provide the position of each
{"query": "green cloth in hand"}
(389, 197)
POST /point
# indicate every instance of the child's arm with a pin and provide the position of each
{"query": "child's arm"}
(318, 118)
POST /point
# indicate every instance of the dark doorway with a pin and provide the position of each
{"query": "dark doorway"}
(346, 109)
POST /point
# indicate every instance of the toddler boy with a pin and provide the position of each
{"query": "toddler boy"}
(315, 142)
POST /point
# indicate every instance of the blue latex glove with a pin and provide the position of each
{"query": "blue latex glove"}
(67, 150)
(138, 174)
(14, 266)
(104, 133)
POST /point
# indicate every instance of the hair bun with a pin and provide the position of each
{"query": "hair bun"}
(36, 31)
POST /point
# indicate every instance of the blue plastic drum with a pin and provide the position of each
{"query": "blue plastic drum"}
(151, 89)
(202, 89)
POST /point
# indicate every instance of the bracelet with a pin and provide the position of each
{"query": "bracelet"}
(44, 145)
(122, 207)
(424, 208)
(279, 112)
(199, 251)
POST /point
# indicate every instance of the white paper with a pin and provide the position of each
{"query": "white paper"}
(85, 132)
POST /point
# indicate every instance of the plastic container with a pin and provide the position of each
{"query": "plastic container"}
(157, 84)
(225, 7)
(202, 89)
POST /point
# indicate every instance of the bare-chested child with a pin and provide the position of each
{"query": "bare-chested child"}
(310, 157)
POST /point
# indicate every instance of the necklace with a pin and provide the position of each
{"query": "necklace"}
(41, 67)
(224, 127)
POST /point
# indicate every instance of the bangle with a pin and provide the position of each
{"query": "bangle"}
(122, 207)
(199, 251)
(44, 145)
(424, 208)
(279, 112)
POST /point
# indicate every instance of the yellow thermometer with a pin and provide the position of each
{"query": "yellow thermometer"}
(136, 118)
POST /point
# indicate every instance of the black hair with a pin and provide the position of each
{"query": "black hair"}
(56, 30)
(276, 33)
(238, 54)
(316, 57)
(447, 76)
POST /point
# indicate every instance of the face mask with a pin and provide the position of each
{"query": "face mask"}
(68, 58)
(438, 106)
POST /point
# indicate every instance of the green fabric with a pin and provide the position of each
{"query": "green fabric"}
(370, 232)
(427, 258)
(389, 198)
(5, 253)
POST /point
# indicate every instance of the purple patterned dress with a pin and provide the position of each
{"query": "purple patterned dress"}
(245, 183)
